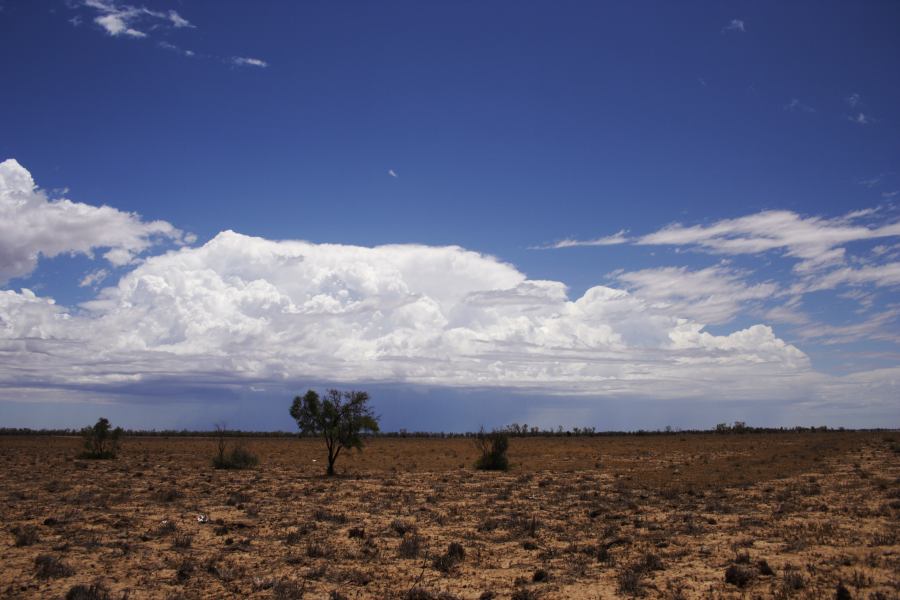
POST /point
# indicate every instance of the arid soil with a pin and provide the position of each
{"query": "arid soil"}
(809, 515)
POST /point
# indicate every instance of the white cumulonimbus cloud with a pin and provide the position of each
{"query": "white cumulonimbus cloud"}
(245, 311)
(242, 307)
(32, 225)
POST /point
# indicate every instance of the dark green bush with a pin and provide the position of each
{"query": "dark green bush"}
(493, 447)
(100, 442)
(238, 458)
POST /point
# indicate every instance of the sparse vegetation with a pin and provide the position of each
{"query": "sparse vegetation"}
(636, 527)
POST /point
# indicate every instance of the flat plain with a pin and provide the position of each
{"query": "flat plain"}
(782, 515)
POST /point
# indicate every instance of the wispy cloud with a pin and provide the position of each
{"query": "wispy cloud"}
(610, 240)
(735, 25)
(244, 61)
(93, 278)
(796, 106)
(175, 48)
(712, 295)
(871, 181)
(879, 326)
(854, 100)
(138, 22)
(392, 173)
(861, 119)
(124, 20)
(816, 241)
(177, 20)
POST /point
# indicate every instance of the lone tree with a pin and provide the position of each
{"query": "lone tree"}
(339, 417)
(100, 441)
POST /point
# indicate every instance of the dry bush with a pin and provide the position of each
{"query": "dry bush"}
(95, 591)
(410, 546)
(24, 535)
(493, 447)
(631, 580)
(454, 555)
(50, 567)
(739, 575)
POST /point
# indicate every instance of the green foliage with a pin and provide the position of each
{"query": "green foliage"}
(493, 447)
(340, 417)
(100, 441)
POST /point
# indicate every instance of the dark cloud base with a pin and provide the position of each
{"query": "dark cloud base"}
(415, 408)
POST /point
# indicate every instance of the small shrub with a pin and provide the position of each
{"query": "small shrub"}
(238, 458)
(493, 447)
(842, 593)
(286, 589)
(165, 527)
(167, 495)
(418, 593)
(738, 575)
(540, 576)
(401, 528)
(185, 570)
(410, 546)
(792, 581)
(651, 562)
(95, 591)
(448, 561)
(317, 550)
(763, 567)
(631, 580)
(100, 442)
(50, 567)
(25, 535)
(237, 499)
(456, 551)
(323, 515)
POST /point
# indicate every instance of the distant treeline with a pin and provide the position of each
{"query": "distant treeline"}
(513, 430)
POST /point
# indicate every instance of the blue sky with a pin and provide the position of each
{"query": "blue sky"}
(622, 215)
